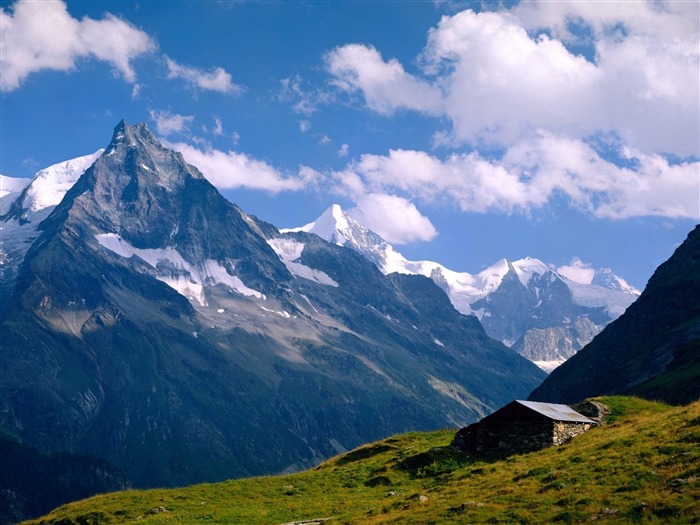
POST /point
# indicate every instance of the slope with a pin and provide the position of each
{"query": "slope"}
(652, 350)
(643, 466)
(156, 325)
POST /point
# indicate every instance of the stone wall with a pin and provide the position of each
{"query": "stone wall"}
(564, 431)
(516, 438)
(525, 437)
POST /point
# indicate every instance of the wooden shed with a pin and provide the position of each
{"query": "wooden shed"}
(522, 426)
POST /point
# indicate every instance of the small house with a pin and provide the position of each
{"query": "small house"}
(522, 426)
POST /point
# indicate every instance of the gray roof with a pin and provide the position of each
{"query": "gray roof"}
(555, 411)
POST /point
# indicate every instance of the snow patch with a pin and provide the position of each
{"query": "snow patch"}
(549, 366)
(10, 188)
(50, 185)
(289, 251)
(283, 313)
(172, 269)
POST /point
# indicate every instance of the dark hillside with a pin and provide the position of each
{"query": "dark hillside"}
(32, 483)
(652, 350)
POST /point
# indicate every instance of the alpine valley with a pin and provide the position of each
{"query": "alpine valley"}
(149, 322)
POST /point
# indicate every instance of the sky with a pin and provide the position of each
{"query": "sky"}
(462, 132)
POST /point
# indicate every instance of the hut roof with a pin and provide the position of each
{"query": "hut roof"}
(555, 411)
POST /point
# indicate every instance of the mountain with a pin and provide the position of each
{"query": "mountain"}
(652, 350)
(154, 324)
(25, 203)
(10, 188)
(543, 315)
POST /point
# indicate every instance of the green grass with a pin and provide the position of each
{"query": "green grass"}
(641, 467)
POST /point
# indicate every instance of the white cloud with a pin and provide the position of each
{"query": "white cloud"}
(42, 35)
(168, 123)
(386, 86)
(498, 77)
(304, 101)
(394, 218)
(343, 150)
(529, 175)
(578, 271)
(324, 139)
(216, 80)
(218, 127)
(237, 170)
(500, 83)
(511, 81)
(304, 125)
(136, 91)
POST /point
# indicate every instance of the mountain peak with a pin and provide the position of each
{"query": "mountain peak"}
(139, 134)
(330, 225)
(136, 188)
(333, 223)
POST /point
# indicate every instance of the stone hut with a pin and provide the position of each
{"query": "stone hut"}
(522, 426)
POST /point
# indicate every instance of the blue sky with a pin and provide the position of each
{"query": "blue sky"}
(463, 132)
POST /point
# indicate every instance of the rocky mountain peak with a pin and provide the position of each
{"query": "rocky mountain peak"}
(136, 189)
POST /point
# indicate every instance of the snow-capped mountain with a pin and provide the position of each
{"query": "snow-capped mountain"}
(510, 298)
(10, 188)
(25, 203)
(156, 325)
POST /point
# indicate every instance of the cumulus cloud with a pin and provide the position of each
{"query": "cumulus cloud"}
(304, 125)
(386, 86)
(215, 80)
(500, 83)
(343, 150)
(394, 218)
(168, 123)
(230, 169)
(35, 36)
(500, 76)
(515, 82)
(529, 175)
(578, 271)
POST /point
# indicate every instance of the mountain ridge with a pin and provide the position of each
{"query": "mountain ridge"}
(492, 293)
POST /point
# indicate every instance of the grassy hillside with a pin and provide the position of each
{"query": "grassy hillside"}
(643, 466)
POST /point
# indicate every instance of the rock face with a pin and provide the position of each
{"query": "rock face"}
(550, 347)
(652, 350)
(541, 314)
(154, 324)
